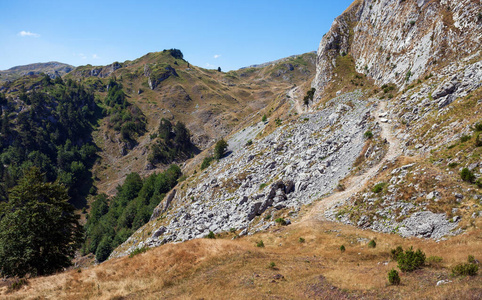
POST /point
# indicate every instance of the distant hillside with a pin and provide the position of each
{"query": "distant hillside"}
(52, 68)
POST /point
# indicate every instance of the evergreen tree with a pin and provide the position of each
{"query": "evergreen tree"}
(39, 231)
(220, 148)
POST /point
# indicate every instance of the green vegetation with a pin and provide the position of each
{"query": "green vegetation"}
(368, 134)
(17, 284)
(379, 187)
(264, 118)
(51, 132)
(393, 277)
(409, 260)
(372, 244)
(342, 248)
(465, 138)
(206, 162)
(124, 117)
(467, 175)
(301, 240)
(309, 96)
(210, 235)
(138, 251)
(39, 231)
(260, 244)
(280, 221)
(467, 269)
(110, 224)
(171, 143)
(220, 148)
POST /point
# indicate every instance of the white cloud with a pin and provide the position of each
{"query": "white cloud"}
(208, 65)
(28, 33)
(95, 56)
(81, 55)
(217, 55)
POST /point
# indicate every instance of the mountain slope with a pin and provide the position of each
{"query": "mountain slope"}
(53, 69)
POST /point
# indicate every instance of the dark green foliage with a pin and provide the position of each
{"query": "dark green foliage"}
(280, 221)
(53, 134)
(372, 244)
(378, 187)
(260, 244)
(264, 118)
(172, 144)
(342, 248)
(477, 127)
(368, 134)
(301, 240)
(210, 235)
(465, 138)
(39, 231)
(467, 175)
(220, 148)
(176, 53)
(393, 277)
(466, 269)
(109, 225)
(206, 162)
(409, 260)
(138, 251)
(249, 143)
(478, 141)
(124, 117)
(219, 69)
(309, 96)
(395, 253)
(278, 121)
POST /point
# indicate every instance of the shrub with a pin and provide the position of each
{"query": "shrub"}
(434, 261)
(342, 248)
(210, 235)
(394, 253)
(372, 244)
(409, 260)
(277, 121)
(267, 217)
(262, 186)
(249, 143)
(232, 230)
(271, 265)
(264, 118)
(467, 175)
(378, 187)
(260, 244)
(465, 269)
(301, 240)
(368, 134)
(465, 138)
(479, 183)
(220, 148)
(471, 259)
(478, 126)
(393, 277)
(280, 221)
(478, 141)
(206, 162)
(138, 251)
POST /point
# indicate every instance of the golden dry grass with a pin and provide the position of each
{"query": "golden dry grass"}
(237, 269)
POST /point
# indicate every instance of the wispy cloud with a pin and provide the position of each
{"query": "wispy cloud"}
(217, 55)
(95, 56)
(28, 33)
(81, 55)
(208, 65)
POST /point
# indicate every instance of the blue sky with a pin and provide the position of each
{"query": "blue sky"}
(230, 34)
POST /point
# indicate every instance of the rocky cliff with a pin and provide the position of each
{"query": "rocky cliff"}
(398, 42)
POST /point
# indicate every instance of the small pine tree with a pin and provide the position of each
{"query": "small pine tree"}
(264, 118)
(219, 69)
(210, 235)
(393, 277)
(220, 148)
(372, 244)
(342, 248)
(467, 175)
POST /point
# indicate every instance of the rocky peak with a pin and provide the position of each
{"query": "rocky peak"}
(395, 41)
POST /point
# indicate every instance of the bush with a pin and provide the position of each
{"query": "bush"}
(372, 244)
(264, 118)
(138, 251)
(301, 240)
(17, 284)
(280, 221)
(342, 248)
(220, 148)
(249, 143)
(260, 244)
(378, 187)
(467, 175)
(409, 260)
(434, 261)
(393, 277)
(465, 138)
(271, 265)
(368, 134)
(478, 126)
(478, 141)
(206, 162)
(466, 269)
(394, 253)
(210, 235)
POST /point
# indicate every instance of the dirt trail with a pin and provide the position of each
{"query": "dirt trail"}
(357, 183)
(294, 100)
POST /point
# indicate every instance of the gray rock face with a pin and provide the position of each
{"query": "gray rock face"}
(293, 166)
(426, 224)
